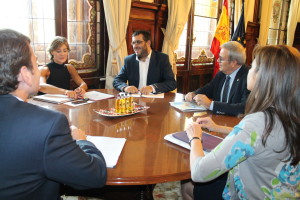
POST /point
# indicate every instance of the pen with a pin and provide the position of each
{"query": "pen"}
(79, 101)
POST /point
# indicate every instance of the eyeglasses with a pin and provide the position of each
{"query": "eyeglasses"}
(136, 42)
(220, 59)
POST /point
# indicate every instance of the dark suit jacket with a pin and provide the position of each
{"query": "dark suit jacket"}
(160, 73)
(237, 97)
(38, 154)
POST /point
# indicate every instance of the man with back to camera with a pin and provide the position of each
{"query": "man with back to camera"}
(38, 154)
(228, 97)
(147, 71)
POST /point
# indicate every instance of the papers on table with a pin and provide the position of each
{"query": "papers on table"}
(59, 98)
(53, 98)
(160, 95)
(209, 141)
(110, 148)
(187, 106)
(78, 103)
(96, 96)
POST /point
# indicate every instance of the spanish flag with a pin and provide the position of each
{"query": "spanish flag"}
(221, 35)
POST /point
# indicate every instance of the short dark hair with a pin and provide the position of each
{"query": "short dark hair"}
(14, 53)
(146, 34)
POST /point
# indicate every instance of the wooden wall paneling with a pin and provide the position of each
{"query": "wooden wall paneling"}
(256, 11)
(61, 18)
(252, 33)
(150, 17)
(161, 22)
(200, 76)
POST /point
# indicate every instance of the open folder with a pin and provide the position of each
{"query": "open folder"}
(209, 142)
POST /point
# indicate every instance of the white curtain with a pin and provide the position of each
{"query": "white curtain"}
(117, 16)
(178, 12)
(265, 17)
(237, 12)
(294, 18)
(248, 11)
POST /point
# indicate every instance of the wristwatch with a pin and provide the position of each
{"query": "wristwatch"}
(193, 138)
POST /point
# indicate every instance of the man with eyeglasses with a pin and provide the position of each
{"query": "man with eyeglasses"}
(227, 93)
(146, 71)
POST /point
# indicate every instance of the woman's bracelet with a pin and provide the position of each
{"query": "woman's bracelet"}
(193, 138)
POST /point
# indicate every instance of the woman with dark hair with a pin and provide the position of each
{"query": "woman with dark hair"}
(56, 75)
(262, 152)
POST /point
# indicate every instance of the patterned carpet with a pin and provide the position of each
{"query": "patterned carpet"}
(170, 190)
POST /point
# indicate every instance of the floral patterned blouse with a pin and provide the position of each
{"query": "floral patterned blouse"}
(255, 171)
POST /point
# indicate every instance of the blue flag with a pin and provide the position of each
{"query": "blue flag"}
(239, 33)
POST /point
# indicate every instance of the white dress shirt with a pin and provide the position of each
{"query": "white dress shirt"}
(143, 67)
(232, 77)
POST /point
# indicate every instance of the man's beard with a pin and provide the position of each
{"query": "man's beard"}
(143, 54)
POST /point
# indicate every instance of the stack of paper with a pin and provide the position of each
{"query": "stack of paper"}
(110, 148)
(53, 98)
(151, 95)
(96, 96)
(161, 95)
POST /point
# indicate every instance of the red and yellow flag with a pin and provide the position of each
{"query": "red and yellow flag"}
(221, 35)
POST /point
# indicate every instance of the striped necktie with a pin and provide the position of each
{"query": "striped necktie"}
(225, 90)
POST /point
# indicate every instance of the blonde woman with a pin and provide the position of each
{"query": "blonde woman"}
(56, 75)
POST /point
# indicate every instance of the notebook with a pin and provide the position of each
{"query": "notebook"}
(209, 141)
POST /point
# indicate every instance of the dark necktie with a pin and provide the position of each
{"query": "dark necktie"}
(226, 88)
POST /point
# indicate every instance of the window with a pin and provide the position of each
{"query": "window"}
(203, 24)
(195, 62)
(278, 22)
(41, 20)
(34, 18)
(79, 31)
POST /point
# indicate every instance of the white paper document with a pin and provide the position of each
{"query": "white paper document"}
(53, 98)
(110, 148)
(96, 96)
(160, 95)
(187, 106)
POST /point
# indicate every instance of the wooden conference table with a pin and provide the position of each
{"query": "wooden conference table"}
(146, 157)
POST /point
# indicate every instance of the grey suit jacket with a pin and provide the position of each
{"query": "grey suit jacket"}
(38, 154)
(160, 73)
